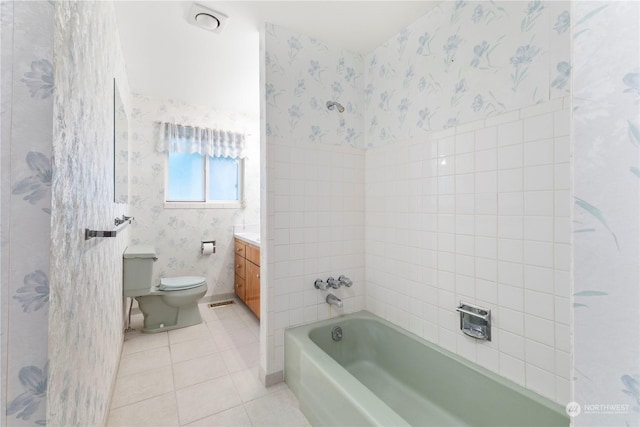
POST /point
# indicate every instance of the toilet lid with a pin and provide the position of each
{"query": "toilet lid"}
(180, 283)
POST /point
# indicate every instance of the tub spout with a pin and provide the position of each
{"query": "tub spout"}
(334, 300)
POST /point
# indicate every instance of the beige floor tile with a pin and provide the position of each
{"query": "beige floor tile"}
(200, 376)
(234, 417)
(205, 399)
(223, 340)
(222, 312)
(205, 312)
(241, 308)
(145, 385)
(251, 321)
(227, 325)
(249, 385)
(193, 349)
(198, 370)
(241, 358)
(244, 337)
(187, 334)
(157, 411)
(276, 409)
(136, 341)
(144, 360)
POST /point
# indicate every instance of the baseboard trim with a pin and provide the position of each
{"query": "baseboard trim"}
(270, 379)
(217, 297)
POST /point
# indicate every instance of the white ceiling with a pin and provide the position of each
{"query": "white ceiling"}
(167, 57)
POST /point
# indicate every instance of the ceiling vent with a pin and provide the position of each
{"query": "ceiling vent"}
(207, 19)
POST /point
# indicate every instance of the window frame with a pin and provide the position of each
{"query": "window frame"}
(206, 204)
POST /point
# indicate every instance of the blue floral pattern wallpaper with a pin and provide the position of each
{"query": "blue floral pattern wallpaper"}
(27, 104)
(304, 73)
(466, 61)
(606, 119)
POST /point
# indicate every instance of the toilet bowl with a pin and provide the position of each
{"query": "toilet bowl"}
(170, 304)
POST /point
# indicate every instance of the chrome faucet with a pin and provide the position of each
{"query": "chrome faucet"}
(333, 283)
(344, 280)
(334, 300)
(321, 284)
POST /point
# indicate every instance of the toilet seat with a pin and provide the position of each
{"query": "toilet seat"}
(180, 283)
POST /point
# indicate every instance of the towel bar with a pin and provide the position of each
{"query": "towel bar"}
(120, 224)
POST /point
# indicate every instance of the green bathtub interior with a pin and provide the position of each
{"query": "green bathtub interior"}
(379, 374)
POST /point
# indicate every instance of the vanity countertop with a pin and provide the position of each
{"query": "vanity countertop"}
(251, 238)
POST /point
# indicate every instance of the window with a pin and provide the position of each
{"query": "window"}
(205, 167)
(194, 179)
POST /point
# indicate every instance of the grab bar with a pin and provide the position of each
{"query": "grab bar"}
(471, 313)
(120, 223)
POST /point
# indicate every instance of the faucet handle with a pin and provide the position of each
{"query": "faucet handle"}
(333, 283)
(321, 284)
(344, 280)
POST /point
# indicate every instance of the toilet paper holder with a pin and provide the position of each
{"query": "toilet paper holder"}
(205, 242)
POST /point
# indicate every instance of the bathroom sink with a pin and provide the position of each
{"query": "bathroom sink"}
(252, 238)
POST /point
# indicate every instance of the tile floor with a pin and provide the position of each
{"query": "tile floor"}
(203, 375)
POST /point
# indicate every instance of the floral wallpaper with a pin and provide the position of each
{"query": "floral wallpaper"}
(176, 233)
(465, 61)
(27, 103)
(86, 307)
(304, 73)
(606, 105)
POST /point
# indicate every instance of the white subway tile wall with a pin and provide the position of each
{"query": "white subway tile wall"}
(480, 217)
(317, 220)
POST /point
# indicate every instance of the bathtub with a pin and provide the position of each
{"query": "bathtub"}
(380, 375)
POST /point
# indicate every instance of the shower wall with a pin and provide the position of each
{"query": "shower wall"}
(479, 213)
(176, 233)
(85, 319)
(607, 213)
(468, 184)
(25, 200)
(314, 205)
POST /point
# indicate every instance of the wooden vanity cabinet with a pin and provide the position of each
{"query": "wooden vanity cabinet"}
(247, 274)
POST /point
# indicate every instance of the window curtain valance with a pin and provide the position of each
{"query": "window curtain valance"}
(193, 139)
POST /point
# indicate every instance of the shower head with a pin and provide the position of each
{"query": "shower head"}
(332, 104)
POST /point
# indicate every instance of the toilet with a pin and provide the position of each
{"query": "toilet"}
(170, 304)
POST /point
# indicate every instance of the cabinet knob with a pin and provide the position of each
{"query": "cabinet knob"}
(238, 266)
(258, 276)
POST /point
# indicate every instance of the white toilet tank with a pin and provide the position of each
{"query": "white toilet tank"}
(138, 270)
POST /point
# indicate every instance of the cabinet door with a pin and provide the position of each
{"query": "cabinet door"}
(253, 288)
(253, 254)
(240, 287)
(240, 266)
(239, 248)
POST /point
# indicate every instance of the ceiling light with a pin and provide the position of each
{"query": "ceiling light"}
(207, 19)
